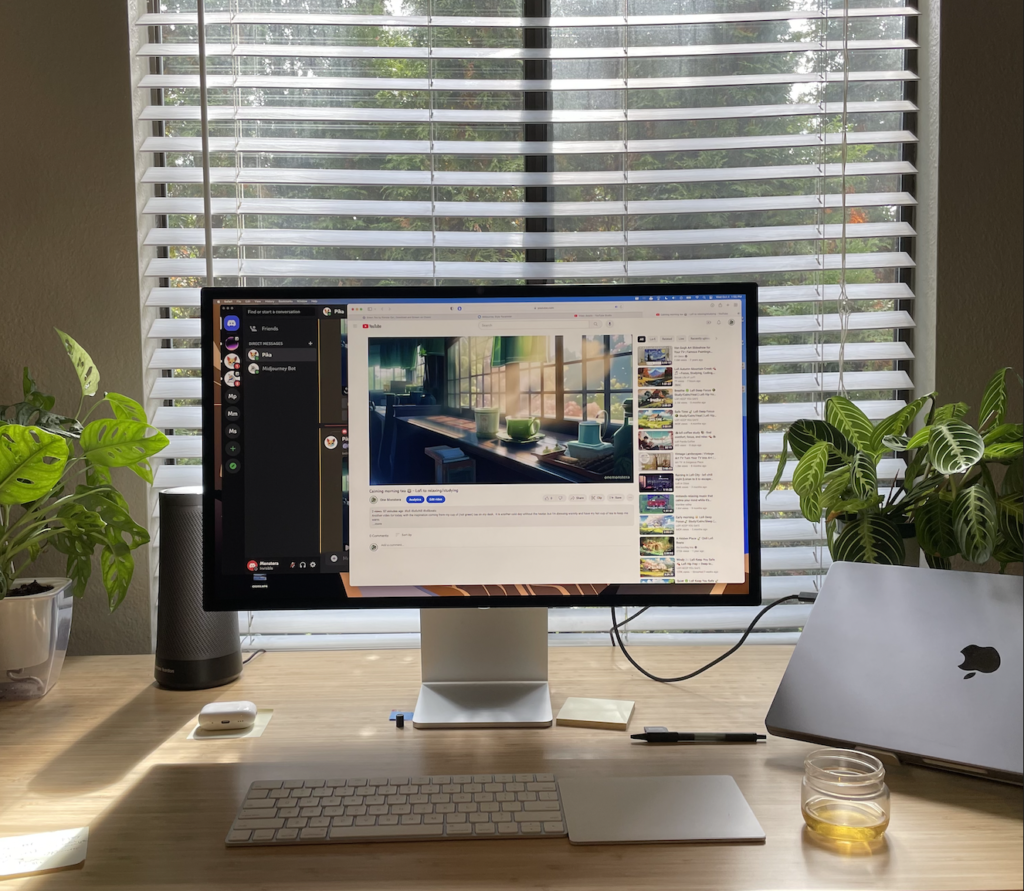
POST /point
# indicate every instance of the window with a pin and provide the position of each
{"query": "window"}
(442, 141)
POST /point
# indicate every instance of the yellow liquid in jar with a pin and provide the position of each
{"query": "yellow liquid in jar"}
(846, 820)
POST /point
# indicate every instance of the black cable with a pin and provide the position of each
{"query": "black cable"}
(803, 597)
(252, 656)
(625, 621)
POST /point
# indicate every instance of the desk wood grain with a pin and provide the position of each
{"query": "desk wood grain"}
(108, 749)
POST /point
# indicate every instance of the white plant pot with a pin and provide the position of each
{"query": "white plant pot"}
(34, 631)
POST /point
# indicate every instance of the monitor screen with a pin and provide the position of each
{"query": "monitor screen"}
(501, 446)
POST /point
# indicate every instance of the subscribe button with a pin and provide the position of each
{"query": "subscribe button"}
(418, 499)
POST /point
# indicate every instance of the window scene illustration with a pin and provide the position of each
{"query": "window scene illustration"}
(550, 408)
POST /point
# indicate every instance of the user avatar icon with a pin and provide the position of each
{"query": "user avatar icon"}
(330, 442)
(327, 310)
(253, 355)
(254, 368)
(232, 379)
(231, 360)
(231, 343)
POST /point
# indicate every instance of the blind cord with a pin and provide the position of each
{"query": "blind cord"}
(204, 132)
(802, 597)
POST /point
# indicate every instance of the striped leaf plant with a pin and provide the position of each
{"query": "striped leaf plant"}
(960, 495)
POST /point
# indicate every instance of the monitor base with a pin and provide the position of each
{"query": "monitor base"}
(480, 705)
(483, 668)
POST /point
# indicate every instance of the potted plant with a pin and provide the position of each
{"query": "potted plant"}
(57, 491)
(951, 497)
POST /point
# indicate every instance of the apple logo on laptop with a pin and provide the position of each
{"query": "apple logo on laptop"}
(984, 659)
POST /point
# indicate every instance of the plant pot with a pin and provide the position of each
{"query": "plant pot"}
(34, 631)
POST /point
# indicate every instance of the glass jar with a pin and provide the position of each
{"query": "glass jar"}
(844, 795)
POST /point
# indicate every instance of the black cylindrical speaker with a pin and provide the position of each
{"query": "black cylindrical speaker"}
(194, 649)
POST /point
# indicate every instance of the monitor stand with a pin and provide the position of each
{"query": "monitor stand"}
(483, 668)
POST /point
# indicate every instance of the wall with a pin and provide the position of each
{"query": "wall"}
(68, 254)
(980, 310)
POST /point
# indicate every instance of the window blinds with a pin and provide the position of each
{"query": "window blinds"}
(627, 141)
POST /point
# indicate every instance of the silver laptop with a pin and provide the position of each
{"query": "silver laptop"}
(920, 663)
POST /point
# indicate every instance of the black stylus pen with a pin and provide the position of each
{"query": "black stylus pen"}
(667, 736)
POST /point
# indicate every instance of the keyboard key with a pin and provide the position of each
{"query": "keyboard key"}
(444, 808)
(430, 788)
(440, 780)
(537, 805)
(333, 811)
(355, 810)
(377, 809)
(296, 823)
(266, 812)
(459, 829)
(422, 808)
(397, 832)
(314, 833)
(387, 790)
(548, 796)
(524, 777)
(287, 811)
(483, 829)
(541, 816)
(515, 787)
(472, 787)
(511, 806)
(526, 796)
(419, 781)
(502, 818)
(374, 799)
(554, 827)
(280, 793)
(243, 823)
(483, 796)
(257, 793)
(313, 784)
(342, 821)
(478, 818)
(504, 778)
(463, 778)
(266, 784)
(504, 796)
(238, 835)
(333, 801)
(433, 818)
(494, 787)
(398, 799)
(455, 818)
(365, 821)
(419, 799)
(545, 778)
(440, 798)
(411, 820)
(319, 822)
(263, 835)
(401, 809)
(289, 784)
(467, 807)
(287, 834)
(489, 807)
(387, 820)
(378, 781)
(398, 781)
(530, 828)
(508, 829)
(310, 811)
(540, 787)
(462, 797)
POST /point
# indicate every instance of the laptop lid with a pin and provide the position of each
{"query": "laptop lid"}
(923, 663)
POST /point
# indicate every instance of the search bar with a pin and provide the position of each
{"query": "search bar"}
(539, 325)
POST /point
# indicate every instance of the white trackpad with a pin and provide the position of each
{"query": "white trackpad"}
(635, 810)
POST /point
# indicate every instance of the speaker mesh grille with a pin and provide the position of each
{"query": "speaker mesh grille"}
(184, 631)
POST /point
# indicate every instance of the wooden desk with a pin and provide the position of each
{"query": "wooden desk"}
(107, 748)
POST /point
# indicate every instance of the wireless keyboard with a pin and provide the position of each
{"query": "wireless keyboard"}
(399, 808)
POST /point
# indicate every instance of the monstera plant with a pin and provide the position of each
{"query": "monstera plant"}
(960, 495)
(56, 485)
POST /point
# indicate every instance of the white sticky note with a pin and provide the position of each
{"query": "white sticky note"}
(263, 716)
(28, 854)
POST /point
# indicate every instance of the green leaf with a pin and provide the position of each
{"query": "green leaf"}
(864, 476)
(938, 562)
(32, 462)
(79, 568)
(112, 442)
(952, 412)
(895, 443)
(783, 458)
(1005, 433)
(114, 515)
(896, 424)
(117, 567)
(28, 414)
(85, 368)
(1013, 480)
(805, 433)
(976, 521)
(835, 486)
(125, 408)
(1012, 504)
(933, 522)
(856, 505)
(1003, 451)
(32, 394)
(870, 538)
(994, 399)
(808, 477)
(921, 438)
(954, 447)
(841, 413)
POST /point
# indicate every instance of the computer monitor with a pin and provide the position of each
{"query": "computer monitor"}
(443, 447)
